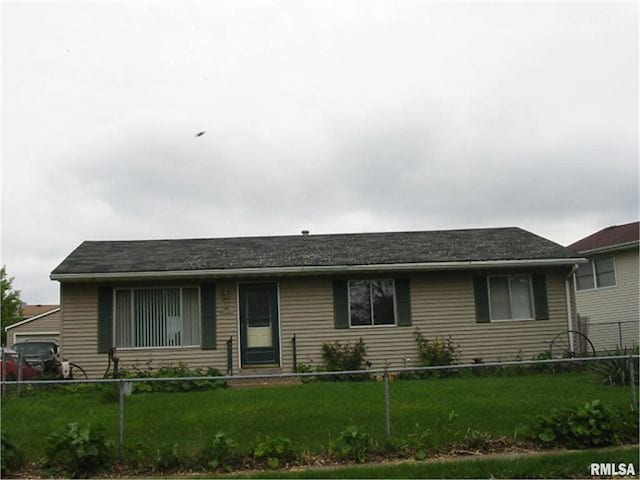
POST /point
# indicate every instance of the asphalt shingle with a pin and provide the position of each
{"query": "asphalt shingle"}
(510, 243)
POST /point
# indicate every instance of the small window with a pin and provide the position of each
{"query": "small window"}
(157, 317)
(371, 302)
(597, 273)
(510, 297)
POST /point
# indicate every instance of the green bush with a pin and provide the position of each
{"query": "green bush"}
(436, 352)
(352, 444)
(275, 451)
(10, 457)
(339, 358)
(586, 426)
(418, 443)
(79, 450)
(167, 458)
(173, 371)
(223, 452)
(615, 371)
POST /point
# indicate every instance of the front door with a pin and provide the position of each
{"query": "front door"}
(259, 339)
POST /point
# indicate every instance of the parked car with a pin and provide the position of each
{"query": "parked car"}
(11, 358)
(41, 355)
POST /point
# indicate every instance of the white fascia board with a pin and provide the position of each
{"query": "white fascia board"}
(30, 319)
(333, 269)
(611, 248)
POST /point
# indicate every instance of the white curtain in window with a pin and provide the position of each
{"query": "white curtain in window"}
(520, 297)
(190, 317)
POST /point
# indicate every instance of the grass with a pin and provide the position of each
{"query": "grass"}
(310, 415)
(555, 465)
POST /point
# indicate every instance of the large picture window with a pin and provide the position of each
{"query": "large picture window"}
(597, 273)
(157, 317)
(510, 297)
(371, 302)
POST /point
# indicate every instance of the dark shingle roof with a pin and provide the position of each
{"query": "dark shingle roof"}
(312, 250)
(607, 237)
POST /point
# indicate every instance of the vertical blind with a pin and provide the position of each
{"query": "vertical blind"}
(159, 317)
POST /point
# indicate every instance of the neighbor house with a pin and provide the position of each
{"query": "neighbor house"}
(39, 323)
(498, 293)
(607, 286)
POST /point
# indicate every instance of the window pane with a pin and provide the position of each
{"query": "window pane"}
(500, 308)
(605, 274)
(123, 318)
(520, 297)
(258, 308)
(157, 321)
(360, 303)
(190, 317)
(383, 313)
(584, 276)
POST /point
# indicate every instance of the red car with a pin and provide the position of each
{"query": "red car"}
(11, 359)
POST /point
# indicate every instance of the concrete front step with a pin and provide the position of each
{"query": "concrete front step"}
(262, 382)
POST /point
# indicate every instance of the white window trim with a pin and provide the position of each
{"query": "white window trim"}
(508, 276)
(373, 325)
(592, 262)
(157, 287)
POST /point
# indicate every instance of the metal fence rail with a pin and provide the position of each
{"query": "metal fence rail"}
(125, 383)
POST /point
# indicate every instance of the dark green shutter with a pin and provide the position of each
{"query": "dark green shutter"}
(105, 319)
(208, 313)
(481, 294)
(341, 304)
(540, 296)
(403, 302)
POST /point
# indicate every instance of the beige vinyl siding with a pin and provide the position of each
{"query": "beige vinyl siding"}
(442, 304)
(49, 324)
(80, 337)
(613, 304)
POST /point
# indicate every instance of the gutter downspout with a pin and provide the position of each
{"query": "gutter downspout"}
(567, 294)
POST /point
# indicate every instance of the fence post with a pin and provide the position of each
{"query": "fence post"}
(295, 353)
(387, 405)
(632, 380)
(230, 356)
(20, 360)
(4, 369)
(121, 420)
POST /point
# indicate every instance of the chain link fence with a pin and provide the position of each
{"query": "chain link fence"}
(386, 377)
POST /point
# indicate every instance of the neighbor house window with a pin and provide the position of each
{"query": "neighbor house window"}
(597, 273)
(371, 302)
(510, 297)
(157, 317)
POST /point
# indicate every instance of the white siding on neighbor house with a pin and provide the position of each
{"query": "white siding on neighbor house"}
(442, 304)
(48, 325)
(602, 306)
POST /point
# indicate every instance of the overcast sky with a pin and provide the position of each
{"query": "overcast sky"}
(334, 116)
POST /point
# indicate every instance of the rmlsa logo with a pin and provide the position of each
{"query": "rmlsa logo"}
(610, 469)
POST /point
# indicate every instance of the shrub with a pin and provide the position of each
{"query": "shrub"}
(436, 352)
(339, 358)
(352, 444)
(590, 425)
(222, 452)
(10, 457)
(275, 451)
(418, 444)
(167, 458)
(173, 371)
(79, 450)
(615, 371)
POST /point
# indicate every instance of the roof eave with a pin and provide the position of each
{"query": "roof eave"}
(611, 248)
(330, 269)
(31, 319)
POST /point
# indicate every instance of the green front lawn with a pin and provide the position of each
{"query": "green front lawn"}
(310, 415)
(547, 465)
